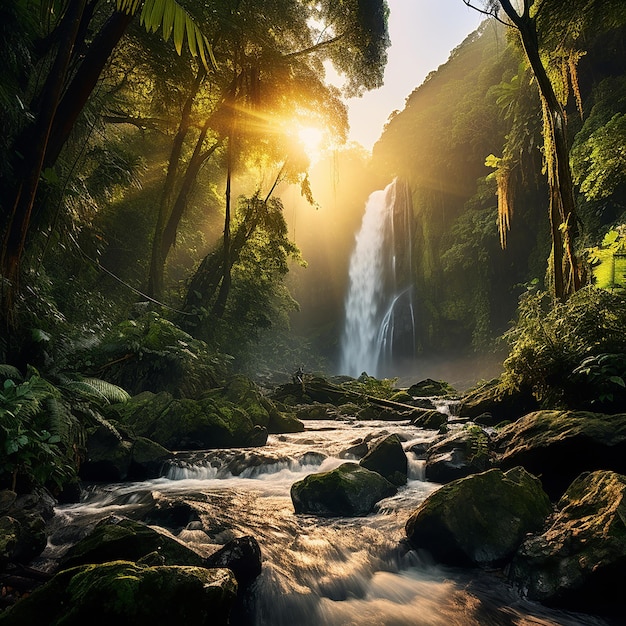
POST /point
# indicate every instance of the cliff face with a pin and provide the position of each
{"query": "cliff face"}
(466, 285)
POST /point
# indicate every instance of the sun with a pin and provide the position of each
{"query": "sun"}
(311, 139)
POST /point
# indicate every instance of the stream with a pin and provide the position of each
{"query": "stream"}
(316, 571)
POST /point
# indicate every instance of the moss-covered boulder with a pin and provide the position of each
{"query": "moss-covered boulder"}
(481, 519)
(128, 540)
(126, 593)
(430, 420)
(579, 560)
(457, 454)
(560, 445)
(348, 490)
(147, 459)
(108, 457)
(190, 424)
(388, 459)
(503, 404)
(429, 388)
(22, 525)
(316, 411)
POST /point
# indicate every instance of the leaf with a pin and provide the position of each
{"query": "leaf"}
(618, 380)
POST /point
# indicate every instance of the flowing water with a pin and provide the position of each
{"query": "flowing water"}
(380, 313)
(316, 571)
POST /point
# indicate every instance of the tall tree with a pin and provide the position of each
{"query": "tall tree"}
(565, 269)
(71, 43)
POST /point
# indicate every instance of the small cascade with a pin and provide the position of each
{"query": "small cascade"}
(380, 311)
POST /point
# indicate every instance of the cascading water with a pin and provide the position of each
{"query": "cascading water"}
(316, 571)
(380, 312)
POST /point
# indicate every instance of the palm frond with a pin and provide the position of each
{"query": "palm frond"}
(98, 388)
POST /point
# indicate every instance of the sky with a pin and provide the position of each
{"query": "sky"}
(422, 33)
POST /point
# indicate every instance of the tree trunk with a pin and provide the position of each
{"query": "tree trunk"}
(33, 146)
(157, 257)
(220, 304)
(562, 204)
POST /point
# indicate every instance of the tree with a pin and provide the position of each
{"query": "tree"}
(67, 50)
(565, 270)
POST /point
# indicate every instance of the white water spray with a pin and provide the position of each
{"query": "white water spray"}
(379, 304)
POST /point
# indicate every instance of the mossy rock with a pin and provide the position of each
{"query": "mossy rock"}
(388, 459)
(481, 519)
(316, 411)
(108, 456)
(402, 396)
(148, 459)
(348, 490)
(126, 593)
(579, 560)
(560, 445)
(493, 398)
(429, 388)
(128, 540)
(430, 420)
(457, 454)
(283, 422)
(188, 424)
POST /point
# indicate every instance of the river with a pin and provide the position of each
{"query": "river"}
(316, 571)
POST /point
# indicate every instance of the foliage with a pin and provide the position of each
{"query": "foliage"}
(607, 260)
(478, 445)
(42, 425)
(152, 354)
(383, 388)
(557, 348)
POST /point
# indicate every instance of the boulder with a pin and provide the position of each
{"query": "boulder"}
(481, 519)
(579, 560)
(356, 451)
(560, 445)
(242, 556)
(108, 456)
(147, 459)
(128, 593)
(430, 420)
(460, 453)
(429, 388)
(348, 490)
(190, 424)
(175, 515)
(503, 404)
(128, 540)
(316, 411)
(22, 525)
(388, 459)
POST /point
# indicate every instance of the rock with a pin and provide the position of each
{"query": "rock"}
(316, 411)
(147, 459)
(502, 404)
(348, 490)
(431, 420)
(128, 540)
(356, 451)
(461, 453)
(481, 519)
(560, 445)
(22, 525)
(108, 456)
(579, 560)
(388, 459)
(190, 424)
(127, 593)
(173, 515)
(429, 388)
(283, 422)
(242, 556)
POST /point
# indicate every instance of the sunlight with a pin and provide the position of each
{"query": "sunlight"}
(311, 138)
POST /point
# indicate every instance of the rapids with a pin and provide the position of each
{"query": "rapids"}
(316, 571)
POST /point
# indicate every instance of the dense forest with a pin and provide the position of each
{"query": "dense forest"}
(170, 255)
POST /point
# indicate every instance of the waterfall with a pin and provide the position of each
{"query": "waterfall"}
(380, 312)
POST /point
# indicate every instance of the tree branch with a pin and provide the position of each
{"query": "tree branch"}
(493, 14)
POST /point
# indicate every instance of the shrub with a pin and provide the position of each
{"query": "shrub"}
(571, 354)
